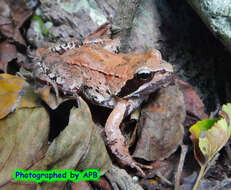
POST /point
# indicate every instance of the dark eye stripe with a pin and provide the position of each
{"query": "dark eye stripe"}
(133, 84)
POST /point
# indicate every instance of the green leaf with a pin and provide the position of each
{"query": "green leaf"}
(40, 26)
(202, 125)
(209, 136)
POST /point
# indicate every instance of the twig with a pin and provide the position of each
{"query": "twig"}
(184, 149)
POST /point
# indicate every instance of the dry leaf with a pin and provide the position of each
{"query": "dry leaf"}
(193, 103)
(15, 93)
(14, 14)
(79, 146)
(23, 136)
(81, 185)
(7, 54)
(161, 122)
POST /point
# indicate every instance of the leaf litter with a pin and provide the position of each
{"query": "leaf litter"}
(24, 112)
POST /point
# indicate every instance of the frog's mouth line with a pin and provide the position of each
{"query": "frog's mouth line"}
(159, 80)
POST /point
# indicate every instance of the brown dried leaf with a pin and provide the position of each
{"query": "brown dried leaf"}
(193, 103)
(81, 185)
(102, 183)
(46, 94)
(85, 142)
(20, 12)
(23, 139)
(14, 15)
(7, 54)
(161, 122)
(78, 146)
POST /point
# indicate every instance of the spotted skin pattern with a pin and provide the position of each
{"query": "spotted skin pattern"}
(66, 46)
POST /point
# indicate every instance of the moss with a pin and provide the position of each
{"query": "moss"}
(41, 28)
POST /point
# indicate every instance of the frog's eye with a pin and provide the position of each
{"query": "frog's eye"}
(144, 75)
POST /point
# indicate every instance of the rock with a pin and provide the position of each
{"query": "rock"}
(216, 15)
(71, 19)
(145, 32)
(173, 28)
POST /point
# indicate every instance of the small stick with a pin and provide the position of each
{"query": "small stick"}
(184, 149)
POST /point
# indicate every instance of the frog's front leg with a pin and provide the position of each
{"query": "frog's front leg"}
(115, 139)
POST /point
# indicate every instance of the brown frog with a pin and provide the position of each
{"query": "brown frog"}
(121, 81)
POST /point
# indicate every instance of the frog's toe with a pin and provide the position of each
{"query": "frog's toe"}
(137, 166)
(125, 159)
(145, 166)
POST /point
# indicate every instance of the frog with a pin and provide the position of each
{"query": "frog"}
(94, 68)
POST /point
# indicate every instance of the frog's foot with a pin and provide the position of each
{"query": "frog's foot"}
(102, 37)
(103, 32)
(125, 159)
(115, 139)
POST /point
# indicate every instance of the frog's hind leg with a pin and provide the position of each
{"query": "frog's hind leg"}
(100, 36)
(115, 139)
(61, 48)
(95, 37)
(103, 37)
(103, 32)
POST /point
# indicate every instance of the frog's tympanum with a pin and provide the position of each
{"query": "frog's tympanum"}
(93, 68)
